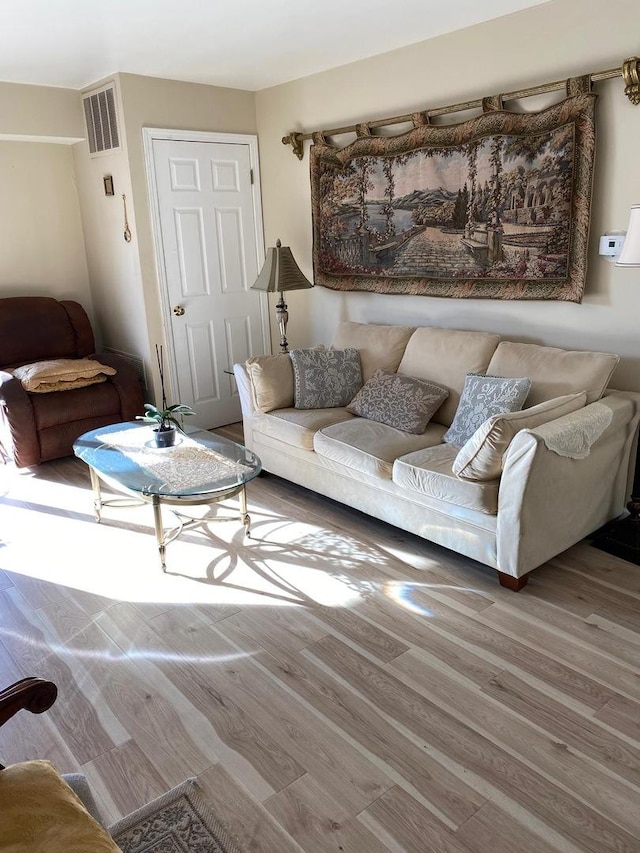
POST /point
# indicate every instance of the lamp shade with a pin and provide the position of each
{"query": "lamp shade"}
(630, 254)
(280, 272)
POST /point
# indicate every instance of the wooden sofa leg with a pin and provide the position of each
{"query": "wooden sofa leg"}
(512, 583)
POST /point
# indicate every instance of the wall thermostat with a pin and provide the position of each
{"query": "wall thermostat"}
(611, 245)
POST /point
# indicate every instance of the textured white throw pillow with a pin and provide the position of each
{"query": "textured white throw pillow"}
(482, 397)
(325, 379)
(480, 458)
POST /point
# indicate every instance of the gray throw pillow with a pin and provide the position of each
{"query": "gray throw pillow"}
(481, 398)
(325, 379)
(398, 401)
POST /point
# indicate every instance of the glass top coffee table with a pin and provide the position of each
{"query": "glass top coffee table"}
(201, 468)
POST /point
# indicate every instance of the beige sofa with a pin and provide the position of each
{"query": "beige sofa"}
(559, 481)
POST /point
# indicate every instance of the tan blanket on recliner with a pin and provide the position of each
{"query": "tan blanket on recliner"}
(61, 374)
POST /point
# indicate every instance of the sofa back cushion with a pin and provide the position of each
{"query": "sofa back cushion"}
(445, 356)
(380, 347)
(480, 458)
(554, 372)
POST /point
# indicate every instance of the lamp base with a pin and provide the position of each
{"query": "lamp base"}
(282, 316)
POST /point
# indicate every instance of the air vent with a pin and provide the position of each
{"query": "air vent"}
(100, 117)
(136, 362)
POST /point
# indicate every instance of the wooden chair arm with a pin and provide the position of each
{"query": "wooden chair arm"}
(34, 694)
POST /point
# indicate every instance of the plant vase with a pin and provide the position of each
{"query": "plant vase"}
(164, 436)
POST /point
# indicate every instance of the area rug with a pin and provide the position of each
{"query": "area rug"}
(180, 821)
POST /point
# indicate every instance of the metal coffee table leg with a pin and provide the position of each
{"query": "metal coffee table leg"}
(244, 515)
(97, 496)
(157, 518)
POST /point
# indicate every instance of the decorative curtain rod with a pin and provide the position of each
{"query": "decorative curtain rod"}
(630, 72)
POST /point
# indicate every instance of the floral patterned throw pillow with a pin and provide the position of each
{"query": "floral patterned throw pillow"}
(325, 379)
(399, 401)
(481, 398)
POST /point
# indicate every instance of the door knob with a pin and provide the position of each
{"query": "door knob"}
(178, 310)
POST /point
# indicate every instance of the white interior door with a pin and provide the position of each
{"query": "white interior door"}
(208, 247)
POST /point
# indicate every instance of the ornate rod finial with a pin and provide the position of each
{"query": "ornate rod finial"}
(631, 77)
(296, 141)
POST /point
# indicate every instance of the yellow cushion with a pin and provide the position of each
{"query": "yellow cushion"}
(59, 373)
(39, 813)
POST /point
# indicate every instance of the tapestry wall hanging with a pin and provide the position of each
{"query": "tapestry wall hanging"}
(496, 207)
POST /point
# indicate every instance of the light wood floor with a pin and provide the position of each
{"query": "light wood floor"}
(335, 684)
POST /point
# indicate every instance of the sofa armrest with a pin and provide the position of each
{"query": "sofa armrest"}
(126, 383)
(548, 502)
(243, 382)
(18, 433)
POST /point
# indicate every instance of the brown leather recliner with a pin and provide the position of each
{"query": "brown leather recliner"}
(35, 428)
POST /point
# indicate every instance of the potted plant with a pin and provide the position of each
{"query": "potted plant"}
(165, 432)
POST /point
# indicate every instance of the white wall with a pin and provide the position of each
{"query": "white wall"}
(123, 276)
(114, 265)
(548, 42)
(41, 236)
(40, 112)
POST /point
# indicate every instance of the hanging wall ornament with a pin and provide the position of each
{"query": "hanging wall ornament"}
(127, 230)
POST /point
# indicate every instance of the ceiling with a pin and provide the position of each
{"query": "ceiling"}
(246, 44)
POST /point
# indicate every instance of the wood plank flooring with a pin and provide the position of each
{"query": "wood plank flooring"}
(334, 684)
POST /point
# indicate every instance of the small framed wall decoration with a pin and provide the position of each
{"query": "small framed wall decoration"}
(495, 207)
(108, 185)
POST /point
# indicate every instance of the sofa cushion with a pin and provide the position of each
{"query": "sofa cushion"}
(271, 379)
(62, 407)
(480, 458)
(445, 356)
(325, 378)
(380, 347)
(553, 371)
(482, 397)
(61, 374)
(298, 426)
(370, 447)
(398, 401)
(430, 473)
(41, 814)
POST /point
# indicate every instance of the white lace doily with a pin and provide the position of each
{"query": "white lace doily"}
(574, 435)
(186, 465)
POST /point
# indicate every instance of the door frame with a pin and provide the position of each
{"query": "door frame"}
(149, 136)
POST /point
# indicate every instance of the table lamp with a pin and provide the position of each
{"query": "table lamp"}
(279, 273)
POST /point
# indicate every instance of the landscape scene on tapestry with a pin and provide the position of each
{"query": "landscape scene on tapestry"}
(493, 208)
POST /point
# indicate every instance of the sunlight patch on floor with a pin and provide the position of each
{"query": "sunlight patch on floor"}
(401, 593)
(69, 649)
(49, 533)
